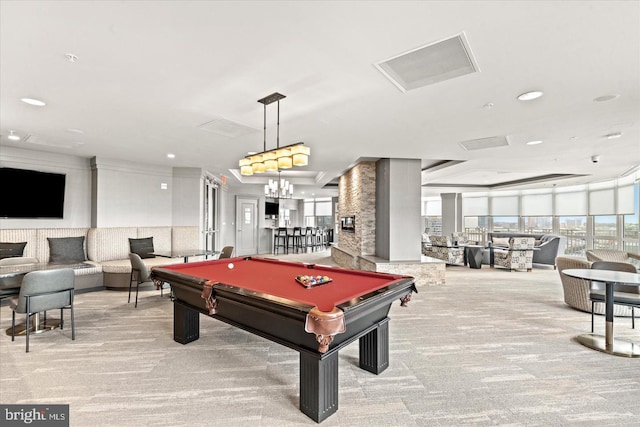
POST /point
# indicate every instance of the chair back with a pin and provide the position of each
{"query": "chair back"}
(440, 241)
(521, 243)
(297, 231)
(282, 231)
(226, 252)
(618, 266)
(46, 289)
(139, 268)
(607, 255)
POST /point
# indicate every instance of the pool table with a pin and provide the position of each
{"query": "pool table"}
(262, 296)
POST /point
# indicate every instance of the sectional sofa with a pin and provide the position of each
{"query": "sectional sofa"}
(106, 249)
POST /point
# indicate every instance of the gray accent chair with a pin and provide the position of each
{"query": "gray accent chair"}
(628, 295)
(226, 252)
(41, 291)
(139, 273)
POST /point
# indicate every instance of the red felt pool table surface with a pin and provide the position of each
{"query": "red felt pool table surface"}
(277, 278)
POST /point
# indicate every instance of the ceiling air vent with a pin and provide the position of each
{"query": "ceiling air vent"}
(226, 128)
(483, 143)
(433, 63)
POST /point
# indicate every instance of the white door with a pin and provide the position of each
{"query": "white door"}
(246, 226)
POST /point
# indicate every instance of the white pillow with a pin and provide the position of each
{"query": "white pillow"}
(500, 241)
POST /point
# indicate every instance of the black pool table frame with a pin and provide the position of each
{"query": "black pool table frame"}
(283, 321)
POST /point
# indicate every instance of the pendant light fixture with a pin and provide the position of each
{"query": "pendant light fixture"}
(279, 158)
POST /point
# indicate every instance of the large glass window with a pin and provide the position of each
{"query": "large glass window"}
(538, 224)
(605, 232)
(508, 224)
(476, 228)
(630, 235)
(317, 212)
(574, 228)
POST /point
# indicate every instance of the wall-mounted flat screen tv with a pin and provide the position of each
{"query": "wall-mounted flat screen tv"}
(31, 194)
(271, 208)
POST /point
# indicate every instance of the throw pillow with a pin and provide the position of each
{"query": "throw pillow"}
(500, 241)
(537, 243)
(142, 247)
(66, 250)
(10, 250)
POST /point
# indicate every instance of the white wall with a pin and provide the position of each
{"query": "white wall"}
(77, 200)
(129, 194)
(187, 195)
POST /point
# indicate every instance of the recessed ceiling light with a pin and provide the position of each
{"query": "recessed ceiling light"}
(528, 96)
(613, 135)
(32, 101)
(605, 98)
(534, 142)
(171, 156)
(77, 131)
(71, 57)
(13, 137)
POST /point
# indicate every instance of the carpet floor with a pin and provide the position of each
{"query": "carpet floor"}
(489, 347)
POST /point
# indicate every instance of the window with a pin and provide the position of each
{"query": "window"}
(605, 232)
(538, 224)
(317, 212)
(574, 228)
(476, 228)
(507, 224)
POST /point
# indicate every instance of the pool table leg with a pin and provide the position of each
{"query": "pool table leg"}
(318, 384)
(186, 323)
(374, 349)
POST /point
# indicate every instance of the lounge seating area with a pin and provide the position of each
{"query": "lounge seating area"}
(106, 249)
(514, 251)
(548, 246)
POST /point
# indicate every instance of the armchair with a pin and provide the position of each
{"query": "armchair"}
(611, 255)
(576, 291)
(518, 256)
(442, 248)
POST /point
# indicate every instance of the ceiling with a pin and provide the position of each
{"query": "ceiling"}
(149, 75)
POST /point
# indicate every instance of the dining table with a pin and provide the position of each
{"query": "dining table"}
(607, 343)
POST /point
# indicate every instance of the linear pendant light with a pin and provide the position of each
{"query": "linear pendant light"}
(279, 158)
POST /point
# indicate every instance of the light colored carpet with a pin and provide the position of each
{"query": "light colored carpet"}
(490, 347)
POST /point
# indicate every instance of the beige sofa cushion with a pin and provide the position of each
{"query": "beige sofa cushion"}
(185, 237)
(28, 235)
(110, 243)
(161, 237)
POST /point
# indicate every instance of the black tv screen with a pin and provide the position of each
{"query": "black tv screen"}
(271, 208)
(31, 194)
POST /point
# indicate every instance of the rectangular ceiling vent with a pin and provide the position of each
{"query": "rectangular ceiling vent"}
(224, 127)
(484, 143)
(433, 63)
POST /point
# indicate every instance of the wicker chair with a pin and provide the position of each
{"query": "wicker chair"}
(576, 291)
(611, 255)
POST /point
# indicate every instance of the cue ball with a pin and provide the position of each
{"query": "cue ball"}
(230, 265)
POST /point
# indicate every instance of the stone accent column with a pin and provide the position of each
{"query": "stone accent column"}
(357, 197)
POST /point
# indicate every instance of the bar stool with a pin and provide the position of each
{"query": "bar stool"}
(307, 238)
(280, 240)
(295, 240)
